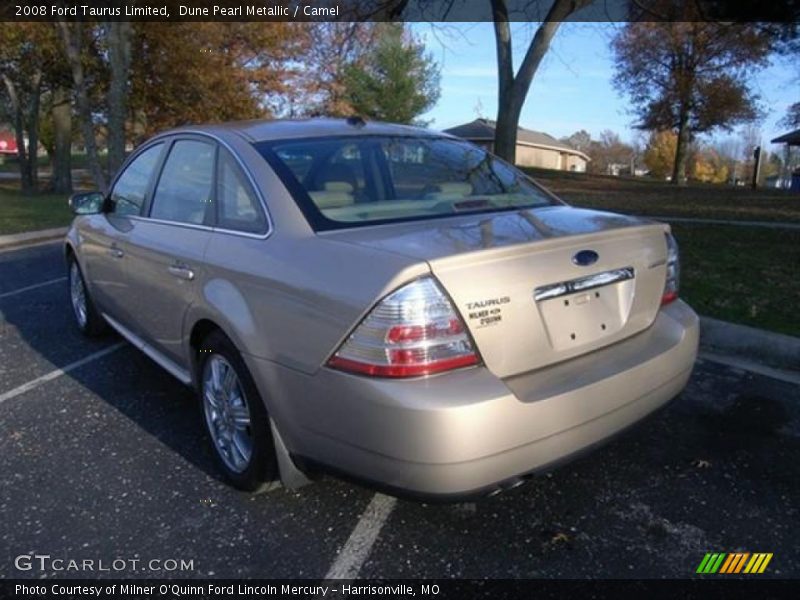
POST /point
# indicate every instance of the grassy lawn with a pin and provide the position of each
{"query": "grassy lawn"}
(20, 213)
(746, 275)
(643, 196)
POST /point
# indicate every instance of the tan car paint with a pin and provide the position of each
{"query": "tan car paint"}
(289, 298)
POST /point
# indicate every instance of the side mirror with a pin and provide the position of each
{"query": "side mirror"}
(87, 203)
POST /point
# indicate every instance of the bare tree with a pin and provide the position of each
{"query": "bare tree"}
(513, 88)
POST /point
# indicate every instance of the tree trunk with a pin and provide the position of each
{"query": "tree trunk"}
(27, 185)
(62, 152)
(72, 36)
(119, 56)
(512, 90)
(33, 128)
(681, 151)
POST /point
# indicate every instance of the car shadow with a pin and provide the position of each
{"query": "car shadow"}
(38, 331)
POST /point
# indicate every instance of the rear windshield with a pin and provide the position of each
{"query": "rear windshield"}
(351, 181)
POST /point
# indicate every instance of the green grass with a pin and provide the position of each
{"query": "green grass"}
(746, 275)
(644, 196)
(11, 165)
(20, 213)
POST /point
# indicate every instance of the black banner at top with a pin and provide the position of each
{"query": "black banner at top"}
(783, 11)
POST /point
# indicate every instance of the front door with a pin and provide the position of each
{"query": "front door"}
(104, 236)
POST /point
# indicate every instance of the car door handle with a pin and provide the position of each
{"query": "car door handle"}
(181, 271)
(115, 251)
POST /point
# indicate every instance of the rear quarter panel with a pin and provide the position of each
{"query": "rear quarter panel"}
(292, 297)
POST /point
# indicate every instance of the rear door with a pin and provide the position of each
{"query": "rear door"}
(166, 248)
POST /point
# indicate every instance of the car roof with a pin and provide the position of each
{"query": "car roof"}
(277, 129)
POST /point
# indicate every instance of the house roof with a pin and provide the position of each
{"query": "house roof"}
(792, 138)
(483, 129)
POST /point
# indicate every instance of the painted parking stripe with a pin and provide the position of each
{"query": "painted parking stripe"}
(58, 372)
(32, 287)
(356, 550)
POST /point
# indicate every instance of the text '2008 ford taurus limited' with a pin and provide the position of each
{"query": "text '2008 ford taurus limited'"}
(382, 301)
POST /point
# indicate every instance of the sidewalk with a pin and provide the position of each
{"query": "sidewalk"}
(31, 237)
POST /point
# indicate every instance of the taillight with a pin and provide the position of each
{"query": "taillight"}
(411, 332)
(673, 271)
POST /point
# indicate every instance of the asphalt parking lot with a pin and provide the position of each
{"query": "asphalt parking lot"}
(108, 461)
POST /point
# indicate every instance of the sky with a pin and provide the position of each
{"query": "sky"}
(572, 89)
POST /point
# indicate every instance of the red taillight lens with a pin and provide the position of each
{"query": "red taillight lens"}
(414, 331)
(672, 285)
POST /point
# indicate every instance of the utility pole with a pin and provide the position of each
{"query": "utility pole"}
(756, 166)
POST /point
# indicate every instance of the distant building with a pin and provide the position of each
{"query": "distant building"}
(534, 148)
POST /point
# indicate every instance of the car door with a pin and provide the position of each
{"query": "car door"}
(103, 237)
(166, 248)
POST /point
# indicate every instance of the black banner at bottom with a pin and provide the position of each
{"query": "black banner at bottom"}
(434, 589)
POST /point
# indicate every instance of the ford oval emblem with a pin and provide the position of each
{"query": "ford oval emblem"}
(584, 258)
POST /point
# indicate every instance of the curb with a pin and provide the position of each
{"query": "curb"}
(703, 221)
(773, 349)
(31, 237)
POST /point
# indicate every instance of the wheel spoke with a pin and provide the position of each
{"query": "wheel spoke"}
(241, 417)
(216, 374)
(211, 399)
(229, 382)
(240, 449)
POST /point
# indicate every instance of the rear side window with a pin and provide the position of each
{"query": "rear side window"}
(237, 207)
(184, 193)
(365, 180)
(127, 197)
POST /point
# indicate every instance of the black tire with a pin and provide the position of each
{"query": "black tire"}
(91, 323)
(261, 469)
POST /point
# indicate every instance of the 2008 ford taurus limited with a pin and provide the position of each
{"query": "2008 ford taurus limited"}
(389, 303)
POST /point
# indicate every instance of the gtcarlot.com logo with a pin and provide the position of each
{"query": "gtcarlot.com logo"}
(731, 563)
(48, 563)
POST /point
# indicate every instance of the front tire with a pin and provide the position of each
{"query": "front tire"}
(236, 420)
(87, 317)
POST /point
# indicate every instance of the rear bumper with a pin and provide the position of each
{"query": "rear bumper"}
(469, 432)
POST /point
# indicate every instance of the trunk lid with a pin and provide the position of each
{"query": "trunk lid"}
(539, 286)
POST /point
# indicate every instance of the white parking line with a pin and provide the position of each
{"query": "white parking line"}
(58, 372)
(356, 550)
(32, 287)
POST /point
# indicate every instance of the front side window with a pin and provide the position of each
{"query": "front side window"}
(237, 207)
(350, 181)
(184, 192)
(127, 197)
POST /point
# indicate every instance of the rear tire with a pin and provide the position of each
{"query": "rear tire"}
(235, 417)
(88, 319)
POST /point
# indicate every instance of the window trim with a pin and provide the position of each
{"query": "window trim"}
(320, 223)
(167, 138)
